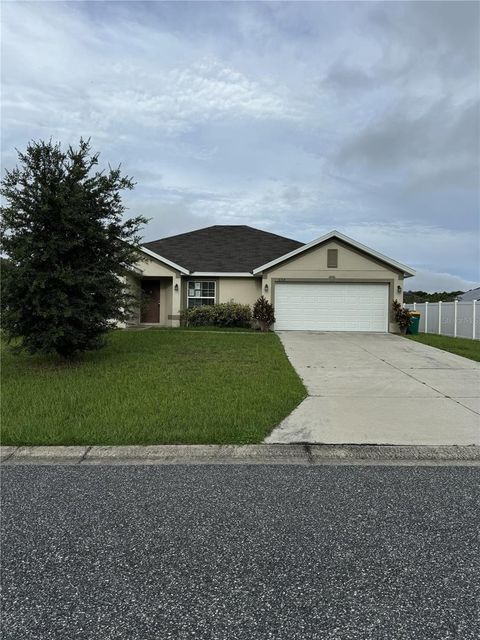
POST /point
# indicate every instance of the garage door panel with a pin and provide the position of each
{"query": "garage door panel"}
(331, 307)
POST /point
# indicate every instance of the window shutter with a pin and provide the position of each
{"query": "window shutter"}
(332, 258)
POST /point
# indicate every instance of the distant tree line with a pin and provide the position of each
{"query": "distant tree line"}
(422, 296)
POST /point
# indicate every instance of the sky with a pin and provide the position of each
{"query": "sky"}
(297, 118)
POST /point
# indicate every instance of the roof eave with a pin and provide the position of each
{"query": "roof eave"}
(223, 274)
(166, 261)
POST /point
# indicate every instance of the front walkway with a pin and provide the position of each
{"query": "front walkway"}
(380, 389)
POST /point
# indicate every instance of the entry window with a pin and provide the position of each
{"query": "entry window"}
(332, 258)
(200, 293)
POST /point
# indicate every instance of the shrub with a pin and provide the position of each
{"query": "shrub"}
(232, 314)
(263, 312)
(402, 316)
(198, 316)
(227, 314)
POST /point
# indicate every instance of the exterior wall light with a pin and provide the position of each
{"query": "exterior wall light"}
(399, 289)
(176, 287)
(265, 288)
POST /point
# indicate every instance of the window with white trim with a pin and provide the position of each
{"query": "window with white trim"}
(200, 292)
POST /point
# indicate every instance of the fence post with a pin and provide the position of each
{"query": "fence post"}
(474, 318)
(439, 317)
(414, 306)
(425, 329)
(455, 307)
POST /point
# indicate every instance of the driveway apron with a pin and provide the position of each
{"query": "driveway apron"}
(380, 389)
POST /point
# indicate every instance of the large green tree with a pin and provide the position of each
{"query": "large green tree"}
(67, 250)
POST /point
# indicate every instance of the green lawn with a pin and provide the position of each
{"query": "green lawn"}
(145, 387)
(461, 346)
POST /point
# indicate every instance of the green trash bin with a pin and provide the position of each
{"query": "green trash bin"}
(414, 323)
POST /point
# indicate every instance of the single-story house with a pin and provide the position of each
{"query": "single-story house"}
(330, 284)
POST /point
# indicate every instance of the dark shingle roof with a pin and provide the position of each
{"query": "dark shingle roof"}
(234, 248)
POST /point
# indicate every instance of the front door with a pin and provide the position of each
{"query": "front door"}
(150, 305)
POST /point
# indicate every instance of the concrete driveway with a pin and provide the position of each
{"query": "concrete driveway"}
(380, 389)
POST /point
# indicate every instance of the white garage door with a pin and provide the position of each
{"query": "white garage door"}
(331, 307)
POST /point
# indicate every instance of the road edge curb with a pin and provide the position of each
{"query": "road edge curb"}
(300, 454)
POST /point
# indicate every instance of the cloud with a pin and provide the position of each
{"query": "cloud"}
(293, 117)
(422, 146)
(447, 32)
(60, 90)
(183, 98)
(167, 217)
(346, 77)
(430, 282)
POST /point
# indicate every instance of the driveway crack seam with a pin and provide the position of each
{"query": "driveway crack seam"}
(462, 405)
(410, 375)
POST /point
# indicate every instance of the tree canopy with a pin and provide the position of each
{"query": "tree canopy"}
(422, 296)
(68, 249)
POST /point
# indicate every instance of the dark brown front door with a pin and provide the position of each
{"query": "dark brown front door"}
(150, 308)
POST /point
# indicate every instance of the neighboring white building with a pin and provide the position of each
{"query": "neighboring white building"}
(468, 296)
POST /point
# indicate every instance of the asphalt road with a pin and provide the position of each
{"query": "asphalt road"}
(240, 552)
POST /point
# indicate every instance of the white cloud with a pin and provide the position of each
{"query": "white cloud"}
(430, 282)
(64, 78)
(182, 98)
(236, 112)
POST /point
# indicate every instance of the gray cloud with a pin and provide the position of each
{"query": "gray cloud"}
(447, 32)
(440, 144)
(349, 78)
(167, 217)
(398, 139)
(294, 117)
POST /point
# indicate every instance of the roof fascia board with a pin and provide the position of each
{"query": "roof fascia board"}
(407, 271)
(168, 262)
(223, 274)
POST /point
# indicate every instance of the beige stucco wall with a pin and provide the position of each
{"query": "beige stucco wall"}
(242, 290)
(163, 315)
(170, 300)
(352, 266)
(154, 268)
(174, 302)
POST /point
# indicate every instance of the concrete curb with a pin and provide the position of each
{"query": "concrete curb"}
(297, 454)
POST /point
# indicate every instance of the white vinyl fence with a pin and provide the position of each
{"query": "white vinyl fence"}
(457, 319)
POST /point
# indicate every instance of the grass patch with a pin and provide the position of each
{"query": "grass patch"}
(152, 386)
(207, 328)
(460, 346)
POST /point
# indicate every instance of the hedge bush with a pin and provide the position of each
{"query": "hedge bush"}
(227, 314)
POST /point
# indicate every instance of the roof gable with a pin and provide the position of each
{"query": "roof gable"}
(406, 271)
